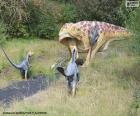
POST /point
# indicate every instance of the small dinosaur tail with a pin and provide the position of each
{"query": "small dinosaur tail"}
(61, 70)
(11, 62)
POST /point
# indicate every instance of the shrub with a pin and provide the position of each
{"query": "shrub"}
(14, 14)
(133, 24)
(2, 33)
(47, 22)
(112, 11)
(25, 18)
(69, 14)
(41, 24)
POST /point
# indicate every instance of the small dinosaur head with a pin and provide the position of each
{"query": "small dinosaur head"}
(79, 62)
(30, 53)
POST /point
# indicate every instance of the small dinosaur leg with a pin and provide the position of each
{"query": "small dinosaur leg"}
(73, 88)
(26, 72)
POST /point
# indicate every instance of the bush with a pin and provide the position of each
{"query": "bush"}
(133, 24)
(14, 14)
(35, 18)
(41, 24)
(112, 11)
(46, 24)
(63, 1)
(2, 32)
(26, 18)
(134, 20)
(69, 14)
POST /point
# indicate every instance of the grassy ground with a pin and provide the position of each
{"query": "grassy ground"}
(46, 53)
(110, 86)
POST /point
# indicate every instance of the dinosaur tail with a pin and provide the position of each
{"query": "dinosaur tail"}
(11, 62)
(123, 33)
(61, 70)
(127, 34)
(111, 30)
(118, 35)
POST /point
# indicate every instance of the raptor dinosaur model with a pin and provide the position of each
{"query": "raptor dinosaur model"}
(23, 66)
(72, 73)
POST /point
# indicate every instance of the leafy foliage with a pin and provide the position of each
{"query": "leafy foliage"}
(44, 18)
(40, 24)
(39, 18)
(111, 11)
(2, 33)
(133, 24)
(14, 14)
(69, 14)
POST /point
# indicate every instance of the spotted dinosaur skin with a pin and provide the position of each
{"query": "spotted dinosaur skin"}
(81, 36)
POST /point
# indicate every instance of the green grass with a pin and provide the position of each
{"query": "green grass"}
(110, 86)
(45, 53)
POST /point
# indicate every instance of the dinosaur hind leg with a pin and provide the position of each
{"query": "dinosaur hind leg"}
(101, 41)
(26, 74)
(22, 72)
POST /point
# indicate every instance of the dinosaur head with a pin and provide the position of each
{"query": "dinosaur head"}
(74, 52)
(30, 53)
(79, 62)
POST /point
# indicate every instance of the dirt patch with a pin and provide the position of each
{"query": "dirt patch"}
(21, 89)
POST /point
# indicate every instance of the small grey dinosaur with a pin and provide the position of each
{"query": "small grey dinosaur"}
(72, 73)
(23, 66)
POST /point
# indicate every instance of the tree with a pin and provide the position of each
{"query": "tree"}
(101, 10)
